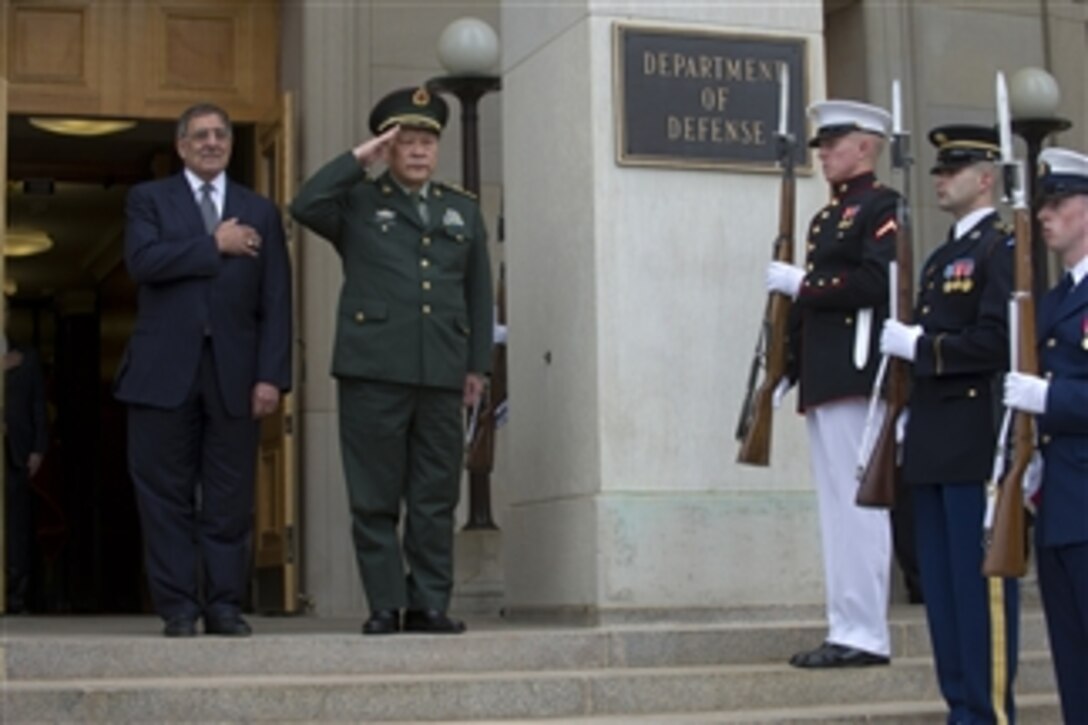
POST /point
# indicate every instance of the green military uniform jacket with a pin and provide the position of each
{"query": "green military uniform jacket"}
(416, 304)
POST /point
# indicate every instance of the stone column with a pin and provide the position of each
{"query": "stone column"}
(635, 296)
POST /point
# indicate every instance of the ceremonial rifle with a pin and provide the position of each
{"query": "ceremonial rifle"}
(754, 426)
(1003, 527)
(876, 478)
(491, 410)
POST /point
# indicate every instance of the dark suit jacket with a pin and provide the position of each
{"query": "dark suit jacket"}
(850, 242)
(24, 408)
(187, 290)
(963, 301)
(1063, 355)
(416, 304)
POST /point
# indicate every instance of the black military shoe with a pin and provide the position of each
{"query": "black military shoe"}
(179, 627)
(382, 621)
(231, 625)
(431, 620)
(837, 655)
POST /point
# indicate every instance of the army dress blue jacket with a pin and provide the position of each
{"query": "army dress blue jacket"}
(962, 306)
(1063, 428)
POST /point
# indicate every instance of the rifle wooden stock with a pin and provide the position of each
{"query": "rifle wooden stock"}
(481, 451)
(876, 487)
(1006, 545)
(754, 431)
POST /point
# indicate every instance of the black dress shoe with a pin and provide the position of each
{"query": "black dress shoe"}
(179, 627)
(382, 621)
(227, 626)
(431, 620)
(837, 655)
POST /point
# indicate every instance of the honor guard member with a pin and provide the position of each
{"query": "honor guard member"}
(958, 348)
(1060, 400)
(413, 343)
(840, 297)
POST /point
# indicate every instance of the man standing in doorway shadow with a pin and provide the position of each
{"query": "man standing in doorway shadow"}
(25, 440)
(209, 356)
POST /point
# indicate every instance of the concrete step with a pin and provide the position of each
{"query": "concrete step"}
(48, 648)
(486, 695)
(119, 669)
(1035, 709)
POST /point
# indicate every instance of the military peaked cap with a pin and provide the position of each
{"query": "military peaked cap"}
(410, 108)
(1062, 172)
(960, 145)
(838, 118)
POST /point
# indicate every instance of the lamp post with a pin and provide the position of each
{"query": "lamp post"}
(1033, 98)
(469, 50)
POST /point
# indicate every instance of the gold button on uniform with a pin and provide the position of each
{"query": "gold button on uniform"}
(426, 309)
(426, 284)
(1045, 439)
(925, 309)
(424, 263)
(1051, 342)
(972, 393)
(426, 241)
(360, 317)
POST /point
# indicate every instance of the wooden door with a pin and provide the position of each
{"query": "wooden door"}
(276, 543)
(3, 225)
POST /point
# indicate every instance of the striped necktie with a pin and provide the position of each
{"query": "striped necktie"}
(207, 208)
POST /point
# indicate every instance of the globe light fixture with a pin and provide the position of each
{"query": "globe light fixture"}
(468, 46)
(469, 51)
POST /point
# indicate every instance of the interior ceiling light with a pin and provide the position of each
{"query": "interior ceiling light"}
(82, 126)
(26, 242)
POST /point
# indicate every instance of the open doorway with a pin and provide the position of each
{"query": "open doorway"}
(75, 305)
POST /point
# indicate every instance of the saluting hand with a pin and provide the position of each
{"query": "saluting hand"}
(375, 149)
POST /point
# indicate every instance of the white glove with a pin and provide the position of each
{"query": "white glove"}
(901, 426)
(784, 278)
(1026, 392)
(780, 391)
(1033, 482)
(899, 340)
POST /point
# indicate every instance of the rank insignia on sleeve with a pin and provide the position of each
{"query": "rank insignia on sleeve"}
(887, 228)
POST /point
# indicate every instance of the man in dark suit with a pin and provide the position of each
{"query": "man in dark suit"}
(209, 356)
(841, 294)
(1059, 397)
(958, 348)
(413, 342)
(25, 440)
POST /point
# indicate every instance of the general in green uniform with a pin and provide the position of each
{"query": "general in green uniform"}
(413, 343)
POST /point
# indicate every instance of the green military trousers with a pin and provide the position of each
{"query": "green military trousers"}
(402, 443)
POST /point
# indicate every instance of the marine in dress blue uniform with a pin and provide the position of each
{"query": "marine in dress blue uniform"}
(958, 348)
(413, 341)
(840, 296)
(1059, 397)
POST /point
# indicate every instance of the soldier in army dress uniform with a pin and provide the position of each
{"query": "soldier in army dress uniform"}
(840, 298)
(1059, 397)
(958, 348)
(413, 343)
